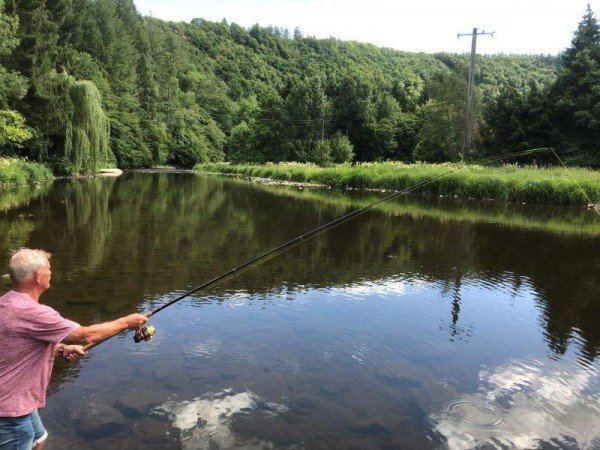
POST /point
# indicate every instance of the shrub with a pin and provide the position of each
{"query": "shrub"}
(322, 153)
(342, 149)
(190, 151)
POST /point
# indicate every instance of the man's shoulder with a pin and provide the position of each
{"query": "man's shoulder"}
(18, 302)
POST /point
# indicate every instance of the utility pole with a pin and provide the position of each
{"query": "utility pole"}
(322, 119)
(471, 88)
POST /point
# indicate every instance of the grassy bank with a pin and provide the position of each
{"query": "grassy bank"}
(570, 220)
(15, 172)
(509, 183)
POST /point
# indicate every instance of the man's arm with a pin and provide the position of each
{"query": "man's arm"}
(98, 332)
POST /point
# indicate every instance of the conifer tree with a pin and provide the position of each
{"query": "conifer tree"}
(576, 97)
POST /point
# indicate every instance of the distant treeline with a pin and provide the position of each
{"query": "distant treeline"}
(86, 83)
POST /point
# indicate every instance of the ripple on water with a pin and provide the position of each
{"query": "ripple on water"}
(541, 402)
(481, 415)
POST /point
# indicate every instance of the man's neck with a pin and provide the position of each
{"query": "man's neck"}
(32, 292)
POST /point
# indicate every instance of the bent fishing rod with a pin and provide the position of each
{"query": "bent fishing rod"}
(146, 332)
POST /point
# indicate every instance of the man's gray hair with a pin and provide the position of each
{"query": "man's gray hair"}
(25, 262)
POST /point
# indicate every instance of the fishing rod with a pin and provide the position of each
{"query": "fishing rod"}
(146, 332)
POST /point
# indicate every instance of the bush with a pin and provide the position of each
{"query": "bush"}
(17, 171)
(240, 144)
(322, 153)
(190, 151)
(342, 149)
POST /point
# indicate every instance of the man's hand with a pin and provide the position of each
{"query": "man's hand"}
(73, 353)
(134, 321)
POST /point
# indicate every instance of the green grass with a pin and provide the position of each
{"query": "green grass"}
(508, 183)
(15, 171)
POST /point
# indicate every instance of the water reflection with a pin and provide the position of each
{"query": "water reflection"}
(175, 231)
(541, 403)
(366, 331)
(19, 196)
(206, 422)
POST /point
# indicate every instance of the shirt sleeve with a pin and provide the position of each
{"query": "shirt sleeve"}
(45, 324)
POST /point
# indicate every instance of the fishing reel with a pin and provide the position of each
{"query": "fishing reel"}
(144, 333)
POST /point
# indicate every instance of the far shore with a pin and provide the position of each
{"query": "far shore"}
(511, 183)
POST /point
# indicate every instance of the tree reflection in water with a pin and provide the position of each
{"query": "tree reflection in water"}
(135, 241)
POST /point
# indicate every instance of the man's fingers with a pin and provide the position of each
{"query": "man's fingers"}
(76, 353)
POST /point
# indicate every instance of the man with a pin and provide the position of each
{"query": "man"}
(31, 335)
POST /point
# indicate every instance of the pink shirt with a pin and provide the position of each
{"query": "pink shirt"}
(28, 335)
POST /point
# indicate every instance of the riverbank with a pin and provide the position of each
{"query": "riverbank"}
(565, 220)
(507, 183)
(18, 172)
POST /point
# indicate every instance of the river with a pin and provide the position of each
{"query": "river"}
(425, 323)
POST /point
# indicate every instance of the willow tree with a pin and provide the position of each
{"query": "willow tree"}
(88, 128)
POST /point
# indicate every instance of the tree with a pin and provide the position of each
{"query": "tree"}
(442, 119)
(88, 129)
(352, 110)
(505, 128)
(308, 113)
(575, 95)
(12, 85)
(12, 128)
(382, 129)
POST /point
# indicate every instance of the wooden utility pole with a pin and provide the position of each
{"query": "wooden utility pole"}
(471, 88)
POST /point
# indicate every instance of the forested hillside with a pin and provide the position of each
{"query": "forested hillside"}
(84, 83)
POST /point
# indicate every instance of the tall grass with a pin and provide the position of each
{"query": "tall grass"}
(508, 183)
(15, 171)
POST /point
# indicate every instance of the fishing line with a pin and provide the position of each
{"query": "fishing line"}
(590, 202)
(145, 333)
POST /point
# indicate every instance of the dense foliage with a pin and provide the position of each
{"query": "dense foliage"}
(565, 114)
(12, 85)
(157, 92)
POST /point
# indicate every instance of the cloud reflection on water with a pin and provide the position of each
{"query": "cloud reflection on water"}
(206, 422)
(540, 402)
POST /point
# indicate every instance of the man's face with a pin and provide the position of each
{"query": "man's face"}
(43, 276)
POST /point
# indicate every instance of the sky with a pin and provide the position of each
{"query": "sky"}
(520, 26)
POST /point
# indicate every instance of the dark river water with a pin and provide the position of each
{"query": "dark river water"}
(425, 323)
